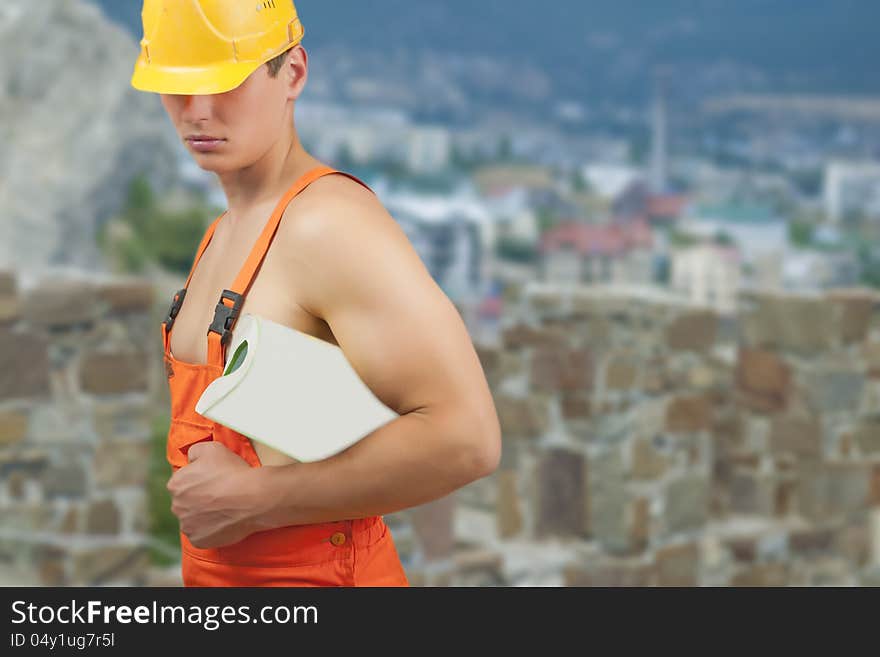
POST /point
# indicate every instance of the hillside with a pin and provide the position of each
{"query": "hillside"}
(609, 46)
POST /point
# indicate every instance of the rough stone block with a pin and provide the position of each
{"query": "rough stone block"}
(109, 373)
(763, 380)
(8, 283)
(744, 548)
(576, 405)
(753, 492)
(544, 301)
(678, 565)
(115, 419)
(10, 308)
(831, 488)
(874, 486)
(102, 517)
(62, 303)
(32, 462)
(561, 504)
(557, 368)
(28, 517)
(811, 541)
(871, 354)
(786, 494)
(13, 427)
(478, 494)
(433, 525)
(798, 436)
(873, 527)
(72, 520)
(856, 308)
(728, 433)
(867, 437)
(656, 378)
(608, 501)
(703, 377)
(834, 391)
(65, 480)
(51, 565)
(648, 459)
(687, 503)
(640, 528)
(490, 361)
(689, 414)
(59, 423)
(127, 295)
(621, 373)
(522, 335)
(527, 417)
(96, 566)
(763, 575)
(853, 543)
(695, 331)
(122, 463)
(478, 567)
(16, 484)
(24, 365)
(610, 572)
(597, 330)
(509, 507)
(799, 323)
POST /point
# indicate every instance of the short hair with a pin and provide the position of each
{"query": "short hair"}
(276, 63)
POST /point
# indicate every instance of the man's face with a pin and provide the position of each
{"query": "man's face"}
(243, 123)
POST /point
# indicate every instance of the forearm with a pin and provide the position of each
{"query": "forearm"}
(412, 460)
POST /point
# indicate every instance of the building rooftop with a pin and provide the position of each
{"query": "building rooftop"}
(738, 213)
(597, 239)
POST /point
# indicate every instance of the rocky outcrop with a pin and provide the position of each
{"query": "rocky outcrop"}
(73, 131)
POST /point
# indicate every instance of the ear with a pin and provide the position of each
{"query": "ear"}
(296, 70)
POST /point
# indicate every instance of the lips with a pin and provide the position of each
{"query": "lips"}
(204, 143)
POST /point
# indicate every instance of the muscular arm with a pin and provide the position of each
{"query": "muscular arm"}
(356, 269)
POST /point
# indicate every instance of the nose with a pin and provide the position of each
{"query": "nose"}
(196, 108)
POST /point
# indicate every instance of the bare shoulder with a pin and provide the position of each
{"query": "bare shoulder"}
(337, 232)
(335, 204)
(333, 189)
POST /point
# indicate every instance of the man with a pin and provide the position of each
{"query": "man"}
(340, 268)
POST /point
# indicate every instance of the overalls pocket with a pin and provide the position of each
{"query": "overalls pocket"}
(181, 436)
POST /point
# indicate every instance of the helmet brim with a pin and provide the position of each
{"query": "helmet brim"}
(191, 81)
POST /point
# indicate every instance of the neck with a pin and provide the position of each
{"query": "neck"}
(263, 182)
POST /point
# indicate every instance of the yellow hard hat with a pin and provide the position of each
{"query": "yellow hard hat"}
(210, 46)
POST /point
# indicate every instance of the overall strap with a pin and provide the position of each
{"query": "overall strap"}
(228, 307)
(180, 294)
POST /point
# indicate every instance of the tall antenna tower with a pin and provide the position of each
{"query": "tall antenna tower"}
(659, 137)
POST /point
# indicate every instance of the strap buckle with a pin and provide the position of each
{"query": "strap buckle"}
(176, 303)
(225, 316)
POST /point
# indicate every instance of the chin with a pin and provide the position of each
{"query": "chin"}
(212, 163)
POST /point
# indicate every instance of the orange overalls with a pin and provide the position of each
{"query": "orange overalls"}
(357, 552)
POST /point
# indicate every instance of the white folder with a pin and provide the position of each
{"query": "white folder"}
(291, 391)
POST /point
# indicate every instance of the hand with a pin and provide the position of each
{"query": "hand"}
(214, 496)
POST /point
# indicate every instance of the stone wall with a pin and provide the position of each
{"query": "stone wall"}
(648, 442)
(645, 442)
(78, 368)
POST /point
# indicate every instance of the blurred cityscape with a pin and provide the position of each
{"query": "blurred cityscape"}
(673, 289)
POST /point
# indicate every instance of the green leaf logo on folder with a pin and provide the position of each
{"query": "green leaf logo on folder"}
(291, 391)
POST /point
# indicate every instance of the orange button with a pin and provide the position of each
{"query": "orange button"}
(338, 538)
